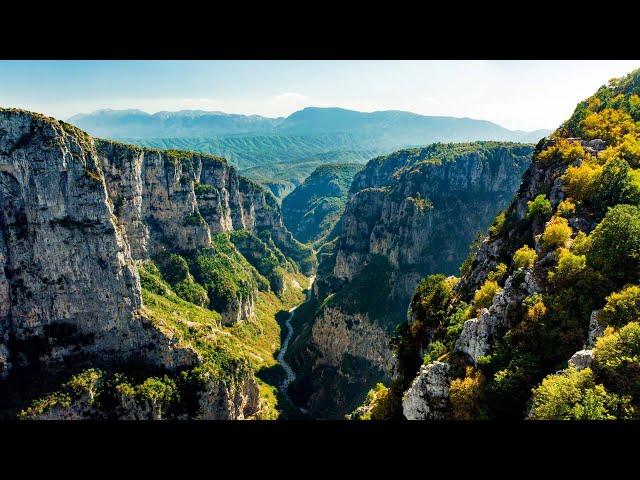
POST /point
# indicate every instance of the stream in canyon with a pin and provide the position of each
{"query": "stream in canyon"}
(290, 375)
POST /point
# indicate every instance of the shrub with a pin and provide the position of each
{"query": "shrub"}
(524, 257)
(569, 267)
(562, 151)
(539, 208)
(574, 395)
(536, 309)
(498, 223)
(498, 273)
(431, 300)
(192, 292)
(464, 395)
(622, 307)
(616, 183)
(434, 351)
(566, 208)
(614, 245)
(484, 295)
(579, 181)
(174, 268)
(609, 124)
(617, 359)
(556, 234)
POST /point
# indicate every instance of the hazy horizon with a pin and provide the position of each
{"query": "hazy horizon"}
(518, 95)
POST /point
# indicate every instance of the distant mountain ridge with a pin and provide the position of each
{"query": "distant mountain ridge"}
(406, 127)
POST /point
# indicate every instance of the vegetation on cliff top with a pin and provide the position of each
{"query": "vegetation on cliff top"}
(313, 208)
(586, 257)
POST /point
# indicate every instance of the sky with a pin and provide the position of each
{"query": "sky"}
(520, 95)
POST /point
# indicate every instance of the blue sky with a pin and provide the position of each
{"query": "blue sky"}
(524, 95)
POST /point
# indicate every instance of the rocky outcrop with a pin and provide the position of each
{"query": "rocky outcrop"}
(581, 359)
(216, 401)
(412, 213)
(337, 334)
(70, 289)
(74, 215)
(428, 396)
(479, 334)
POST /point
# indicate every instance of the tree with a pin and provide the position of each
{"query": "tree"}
(483, 298)
(574, 395)
(524, 257)
(614, 245)
(539, 207)
(556, 233)
(622, 307)
(617, 359)
(464, 394)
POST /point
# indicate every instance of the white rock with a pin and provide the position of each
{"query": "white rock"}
(581, 359)
(428, 396)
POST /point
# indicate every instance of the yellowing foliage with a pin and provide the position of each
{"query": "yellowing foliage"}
(556, 234)
(484, 295)
(609, 124)
(562, 151)
(579, 180)
(464, 395)
(524, 257)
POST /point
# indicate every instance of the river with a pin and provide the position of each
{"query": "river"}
(290, 375)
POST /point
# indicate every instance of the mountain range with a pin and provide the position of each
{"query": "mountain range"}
(395, 126)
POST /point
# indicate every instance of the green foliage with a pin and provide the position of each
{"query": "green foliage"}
(313, 208)
(464, 395)
(357, 296)
(498, 274)
(174, 268)
(524, 257)
(539, 208)
(431, 319)
(151, 279)
(225, 274)
(621, 307)
(574, 395)
(556, 234)
(381, 404)
(435, 350)
(194, 219)
(467, 264)
(264, 256)
(498, 224)
(191, 291)
(483, 297)
(203, 188)
(617, 360)
(615, 184)
(561, 151)
(614, 245)
(566, 208)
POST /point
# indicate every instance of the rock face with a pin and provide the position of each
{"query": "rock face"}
(581, 359)
(479, 334)
(428, 396)
(409, 214)
(313, 208)
(69, 286)
(74, 215)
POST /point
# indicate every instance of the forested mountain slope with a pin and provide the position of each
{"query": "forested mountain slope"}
(311, 211)
(544, 322)
(410, 213)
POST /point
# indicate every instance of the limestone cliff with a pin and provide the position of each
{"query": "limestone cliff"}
(409, 214)
(77, 214)
(557, 266)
